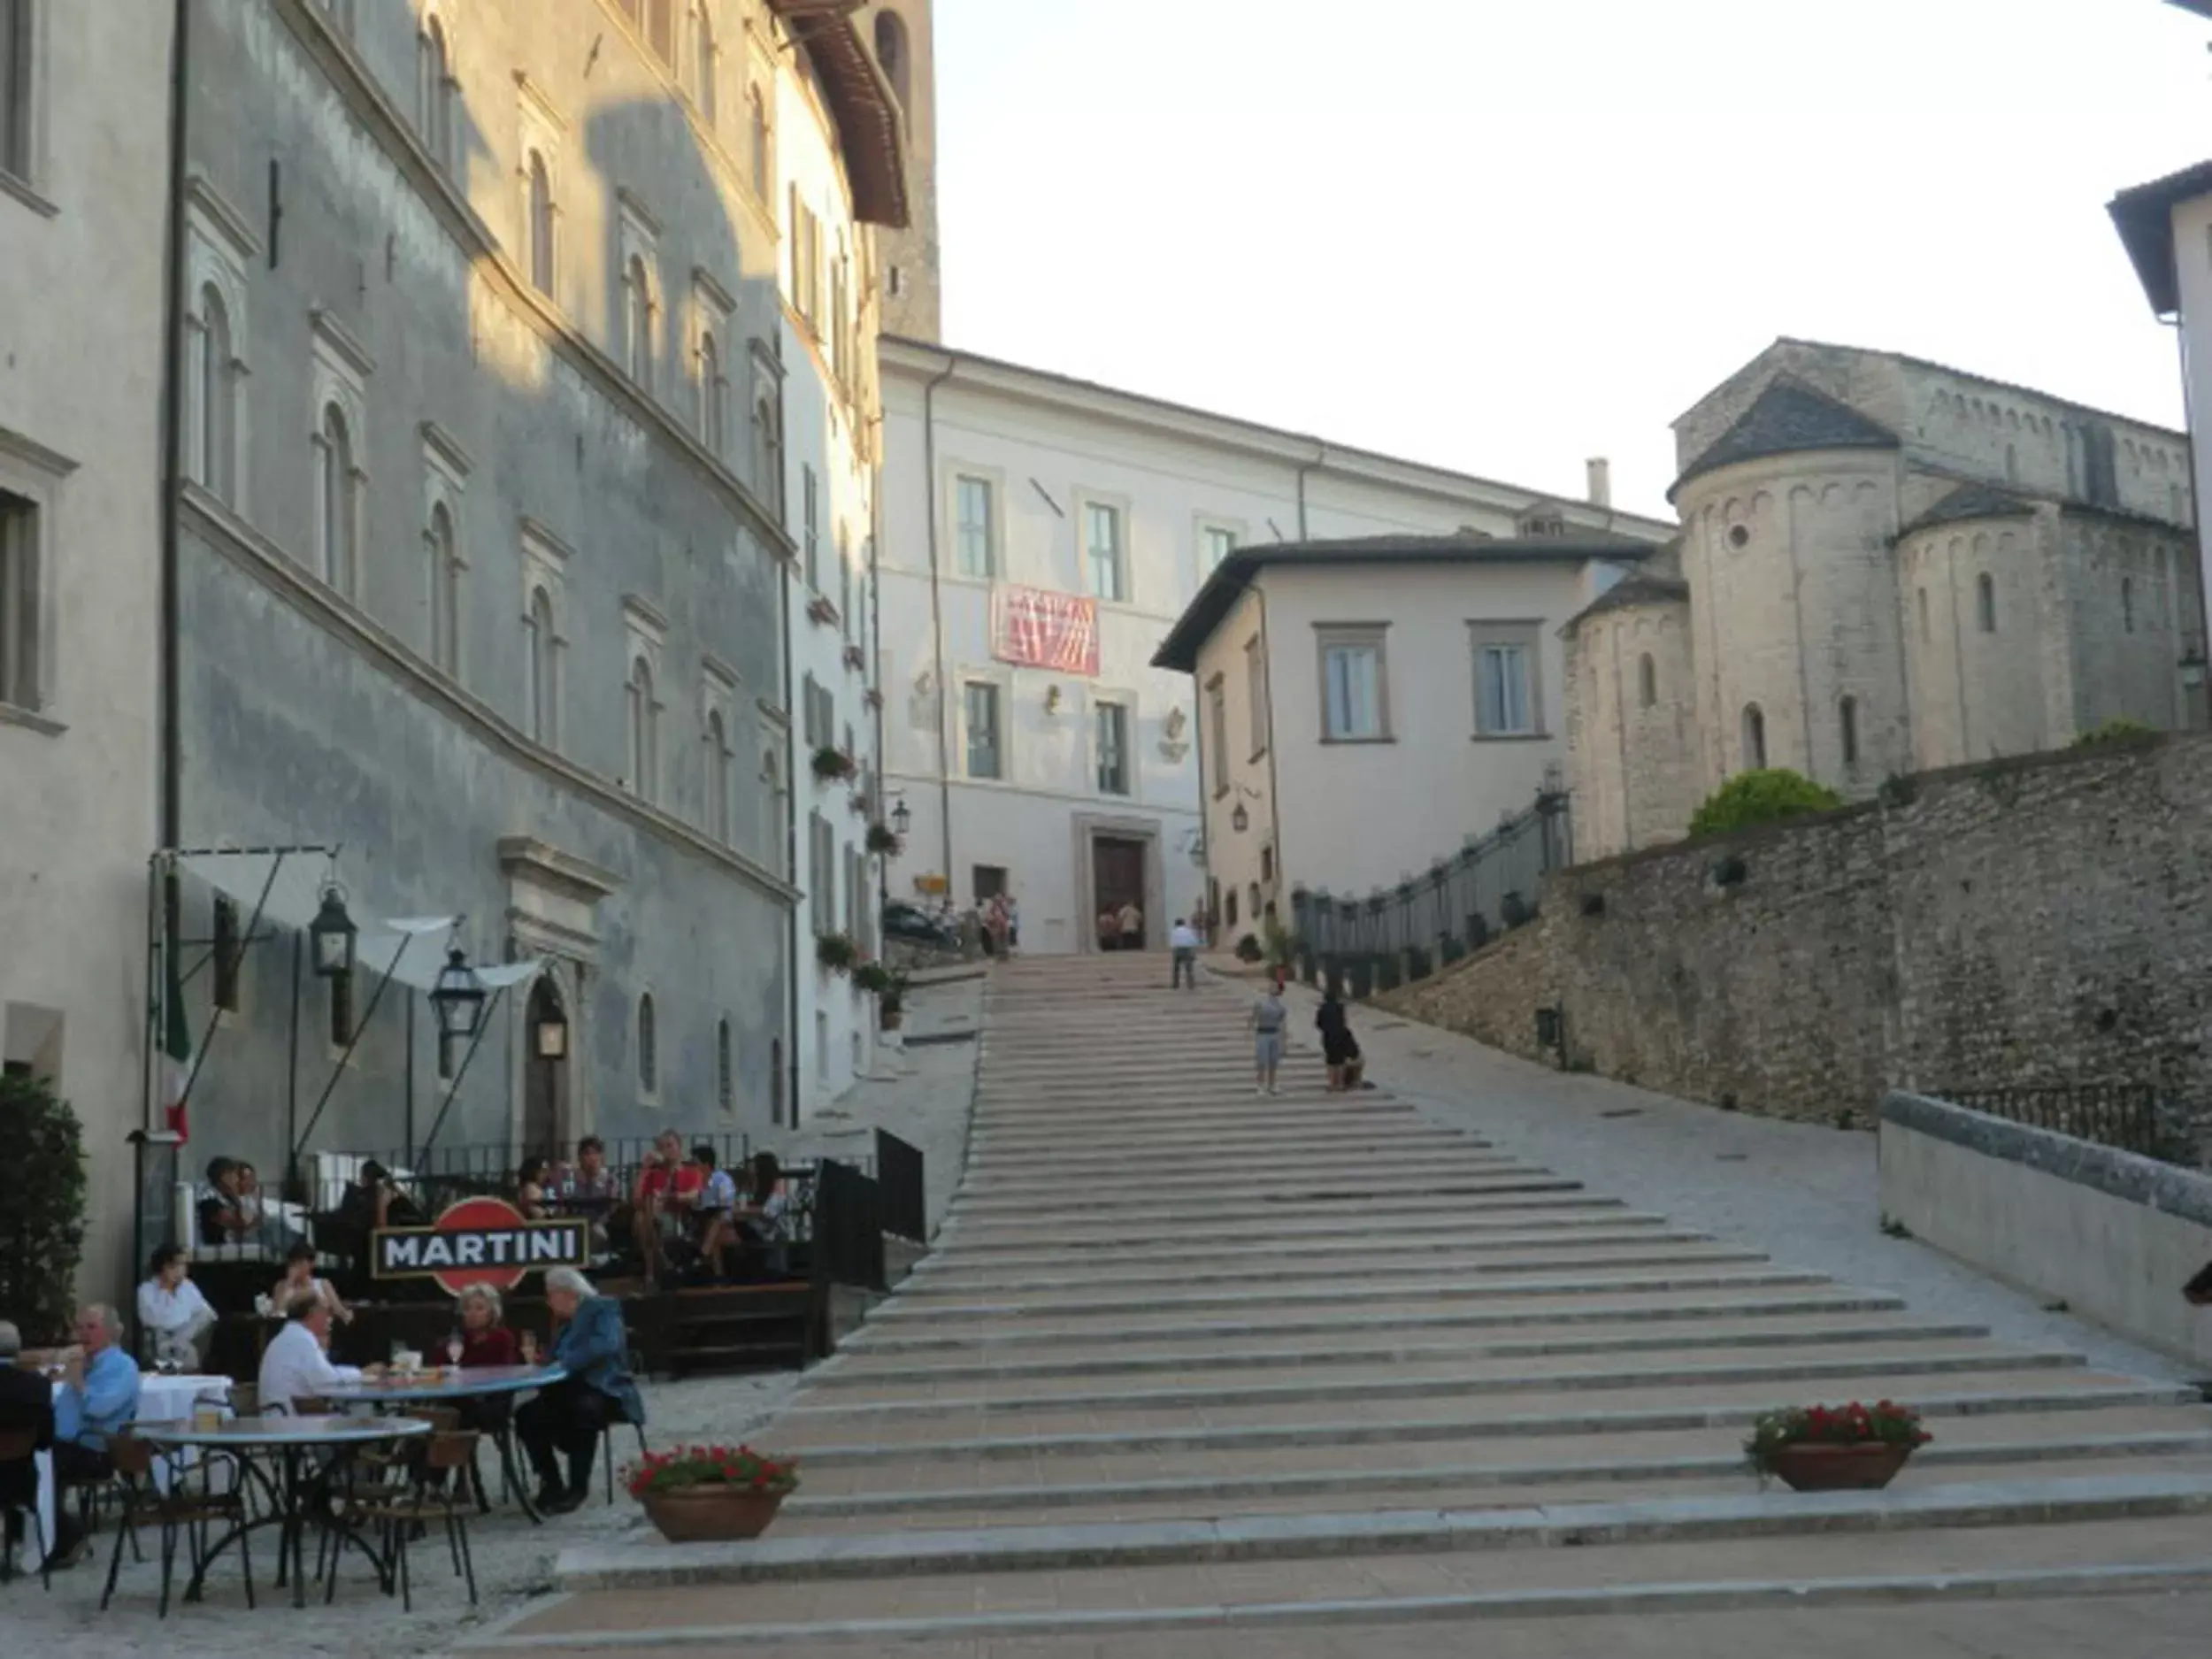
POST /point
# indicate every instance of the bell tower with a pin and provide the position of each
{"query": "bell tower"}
(900, 31)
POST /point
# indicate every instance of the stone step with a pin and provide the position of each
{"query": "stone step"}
(1714, 1472)
(1622, 1248)
(1497, 1280)
(1408, 1196)
(1044, 1403)
(1900, 1588)
(925, 1483)
(1405, 1220)
(1354, 1322)
(1340, 1239)
(1166, 1178)
(857, 1369)
(1092, 1547)
(1044, 1107)
(1176, 1432)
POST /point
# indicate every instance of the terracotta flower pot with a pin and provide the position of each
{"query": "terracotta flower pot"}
(711, 1514)
(1866, 1467)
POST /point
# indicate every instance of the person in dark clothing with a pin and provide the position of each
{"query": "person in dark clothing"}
(569, 1416)
(26, 1401)
(1339, 1049)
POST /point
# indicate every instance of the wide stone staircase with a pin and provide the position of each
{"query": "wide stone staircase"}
(1193, 1369)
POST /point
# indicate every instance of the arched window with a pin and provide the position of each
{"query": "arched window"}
(756, 111)
(2127, 603)
(1985, 602)
(433, 93)
(1233, 907)
(1848, 723)
(725, 1071)
(703, 62)
(891, 51)
(445, 590)
(775, 1080)
(713, 394)
(660, 29)
(216, 393)
(541, 224)
(2012, 463)
(638, 300)
(767, 452)
(1924, 616)
(335, 504)
(717, 778)
(1646, 681)
(644, 732)
(1755, 738)
(648, 1061)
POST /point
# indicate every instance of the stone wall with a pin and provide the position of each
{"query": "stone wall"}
(2034, 921)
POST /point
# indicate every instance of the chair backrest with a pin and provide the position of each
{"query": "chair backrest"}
(132, 1456)
(443, 1420)
(245, 1399)
(450, 1449)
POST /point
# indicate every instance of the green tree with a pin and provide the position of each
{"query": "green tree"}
(1768, 796)
(2116, 733)
(42, 1207)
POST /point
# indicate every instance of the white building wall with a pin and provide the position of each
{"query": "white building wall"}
(828, 412)
(80, 332)
(1046, 445)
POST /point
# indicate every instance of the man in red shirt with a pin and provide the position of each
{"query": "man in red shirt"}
(667, 1186)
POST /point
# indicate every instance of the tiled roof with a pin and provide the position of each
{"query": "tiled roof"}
(1644, 588)
(1786, 417)
(1971, 501)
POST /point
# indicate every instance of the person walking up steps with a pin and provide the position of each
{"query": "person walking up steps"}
(1268, 1017)
(1183, 939)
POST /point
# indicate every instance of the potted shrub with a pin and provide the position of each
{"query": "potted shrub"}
(1835, 1448)
(882, 839)
(891, 1006)
(710, 1493)
(836, 952)
(831, 763)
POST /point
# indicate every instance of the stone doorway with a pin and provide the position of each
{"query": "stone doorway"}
(545, 1090)
(1118, 878)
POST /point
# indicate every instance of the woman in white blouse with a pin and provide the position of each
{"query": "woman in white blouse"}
(171, 1310)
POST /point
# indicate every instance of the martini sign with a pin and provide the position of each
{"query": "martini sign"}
(480, 1242)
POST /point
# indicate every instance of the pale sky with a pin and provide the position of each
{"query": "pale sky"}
(1503, 235)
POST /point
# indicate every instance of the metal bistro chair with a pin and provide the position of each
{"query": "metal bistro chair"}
(177, 1512)
(18, 1495)
(606, 1438)
(440, 1492)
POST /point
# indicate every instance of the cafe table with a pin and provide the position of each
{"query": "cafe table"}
(296, 1446)
(162, 1398)
(437, 1385)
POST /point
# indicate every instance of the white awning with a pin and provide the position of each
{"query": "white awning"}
(411, 948)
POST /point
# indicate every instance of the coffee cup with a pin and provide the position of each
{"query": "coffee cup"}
(207, 1418)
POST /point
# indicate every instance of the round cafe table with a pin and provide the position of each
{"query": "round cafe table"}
(390, 1393)
(289, 1441)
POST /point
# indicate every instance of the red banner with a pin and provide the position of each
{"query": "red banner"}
(1045, 630)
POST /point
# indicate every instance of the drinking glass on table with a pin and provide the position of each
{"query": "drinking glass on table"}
(453, 1350)
(529, 1347)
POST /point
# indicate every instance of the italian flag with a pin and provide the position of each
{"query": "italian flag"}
(176, 1046)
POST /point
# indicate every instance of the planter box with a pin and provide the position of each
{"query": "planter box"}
(708, 1515)
(1866, 1468)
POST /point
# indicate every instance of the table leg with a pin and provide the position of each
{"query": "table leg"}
(515, 1477)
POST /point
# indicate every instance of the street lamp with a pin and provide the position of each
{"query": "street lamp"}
(1240, 820)
(458, 998)
(332, 933)
(901, 816)
(552, 1035)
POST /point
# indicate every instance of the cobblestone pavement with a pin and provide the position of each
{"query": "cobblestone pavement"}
(922, 1094)
(1397, 1373)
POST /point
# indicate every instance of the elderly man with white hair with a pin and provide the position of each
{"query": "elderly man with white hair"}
(569, 1417)
(98, 1397)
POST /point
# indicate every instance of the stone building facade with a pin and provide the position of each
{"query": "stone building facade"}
(84, 168)
(1884, 567)
(911, 277)
(513, 335)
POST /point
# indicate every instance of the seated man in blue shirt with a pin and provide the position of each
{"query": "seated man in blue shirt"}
(569, 1416)
(99, 1395)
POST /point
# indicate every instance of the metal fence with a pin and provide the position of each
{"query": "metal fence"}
(1491, 885)
(2126, 1116)
(905, 1198)
(848, 1227)
(443, 1175)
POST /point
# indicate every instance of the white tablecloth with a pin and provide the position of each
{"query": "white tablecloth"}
(160, 1399)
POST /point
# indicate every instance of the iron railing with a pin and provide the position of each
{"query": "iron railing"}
(2125, 1116)
(443, 1175)
(848, 1243)
(905, 1198)
(1490, 885)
